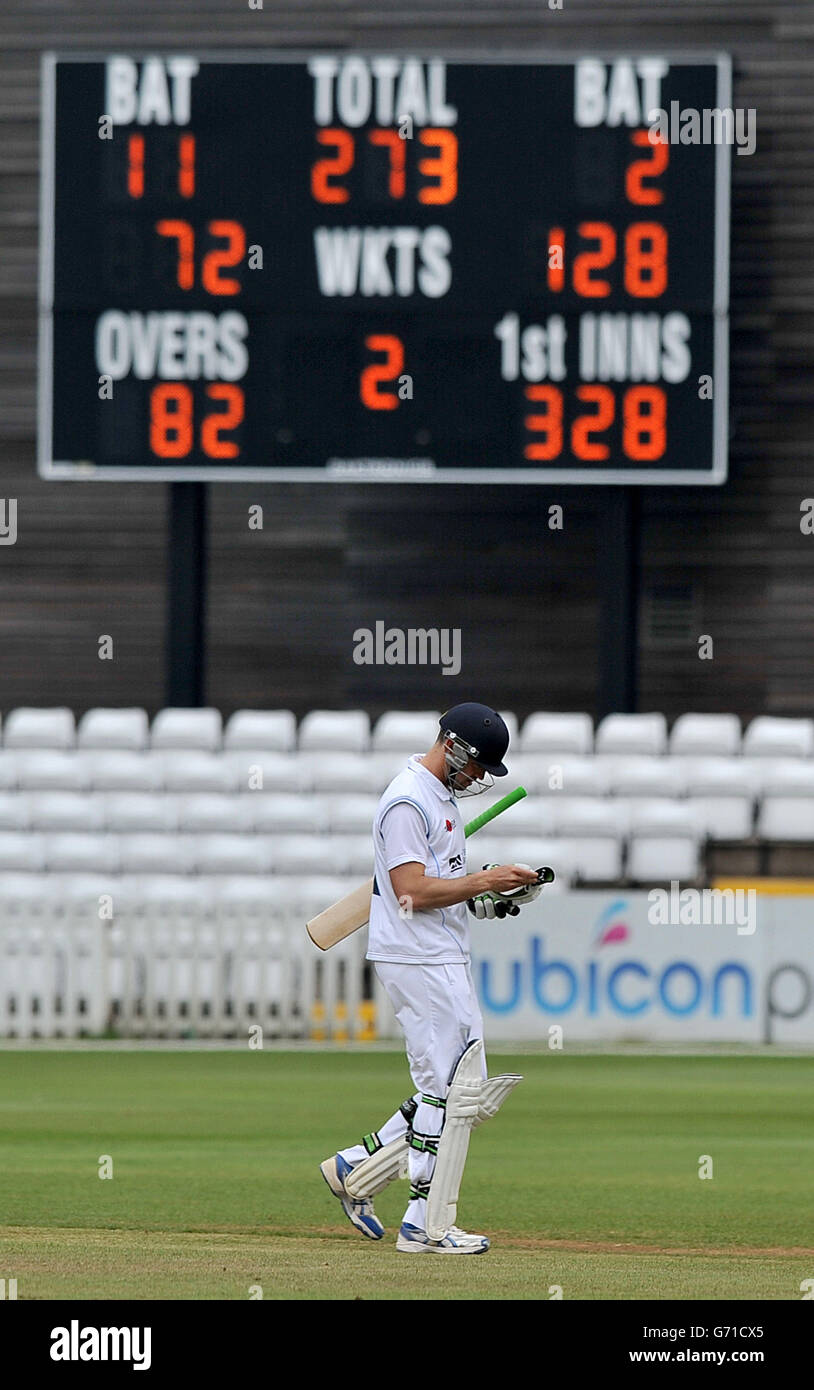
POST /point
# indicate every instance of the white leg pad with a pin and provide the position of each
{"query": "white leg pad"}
(373, 1174)
(493, 1093)
(462, 1102)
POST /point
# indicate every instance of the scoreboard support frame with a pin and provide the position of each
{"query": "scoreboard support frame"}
(185, 669)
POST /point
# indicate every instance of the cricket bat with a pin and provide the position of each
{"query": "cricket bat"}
(353, 911)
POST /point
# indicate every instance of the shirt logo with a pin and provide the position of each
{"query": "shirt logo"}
(456, 861)
(450, 825)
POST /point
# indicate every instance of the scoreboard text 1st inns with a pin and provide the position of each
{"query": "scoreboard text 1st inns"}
(333, 267)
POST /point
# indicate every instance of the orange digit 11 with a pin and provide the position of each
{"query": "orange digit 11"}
(186, 166)
(171, 426)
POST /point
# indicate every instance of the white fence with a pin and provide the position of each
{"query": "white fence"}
(598, 966)
(174, 970)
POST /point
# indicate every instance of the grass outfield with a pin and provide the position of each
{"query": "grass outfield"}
(587, 1180)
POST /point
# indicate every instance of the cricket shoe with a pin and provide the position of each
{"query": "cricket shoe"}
(455, 1242)
(359, 1211)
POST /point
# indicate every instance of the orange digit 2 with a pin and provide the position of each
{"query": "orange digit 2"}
(229, 255)
(587, 261)
(388, 370)
(582, 446)
(331, 166)
(228, 419)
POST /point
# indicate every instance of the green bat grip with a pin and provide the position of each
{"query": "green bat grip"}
(499, 806)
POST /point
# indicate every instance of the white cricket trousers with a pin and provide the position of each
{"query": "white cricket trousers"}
(438, 1011)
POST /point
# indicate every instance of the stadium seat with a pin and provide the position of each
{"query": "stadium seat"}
(149, 854)
(300, 854)
(117, 771)
(14, 811)
(632, 733)
(233, 854)
(40, 728)
(335, 731)
(209, 813)
(76, 853)
(399, 731)
(721, 791)
(534, 850)
(66, 811)
(9, 772)
(529, 817)
(594, 834)
(114, 728)
(52, 771)
(284, 813)
(272, 730)
(770, 737)
(786, 811)
(557, 733)
(561, 774)
(717, 735)
(135, 892)
(263, 770)
(664, 842)
(138, 812)
(196, 772)
(21, 852)
(341, 772)
(637, 779)
(200, 729)
(347, 815)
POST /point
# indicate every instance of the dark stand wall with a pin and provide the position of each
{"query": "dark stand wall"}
(285, 601)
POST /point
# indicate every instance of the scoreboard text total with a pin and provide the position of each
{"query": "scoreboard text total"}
(395, 268)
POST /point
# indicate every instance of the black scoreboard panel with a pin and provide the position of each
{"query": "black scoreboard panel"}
(338, 266)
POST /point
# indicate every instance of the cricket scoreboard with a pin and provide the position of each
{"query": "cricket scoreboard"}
(330, 267)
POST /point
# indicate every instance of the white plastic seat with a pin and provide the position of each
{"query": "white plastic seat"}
(561, 775)
(721, 791)
(40, 728)
(233, 854)
(127, 729)
(271, 730)
(303, 854)
(197, 772)
(14, 811)
(212, 813)
(134, 892)
(35, 886)
(122, 771)
(21, 852)
(88, 888)
(66, 811)
(256, 891)
(200, 729)
(348, 854)
(140, 812)
(643, 778)
(632, 733)
(593, 832)
(335, 731)
(8, 769)
(513, 726)
(51, 771)
(531, 816)
(406, 731)
(715, 735)
(284, 813)
(557, 733)
(664, 842)
(341, 772)
(787, 808)
(260, 770)
(534, 850)
(770, 737)
(147, 854)
(75, 853)
(347, 815)
(315, 892)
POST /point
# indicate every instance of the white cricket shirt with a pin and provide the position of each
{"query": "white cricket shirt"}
(417, 821)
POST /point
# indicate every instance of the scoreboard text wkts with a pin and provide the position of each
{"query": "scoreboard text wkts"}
(327, 267)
